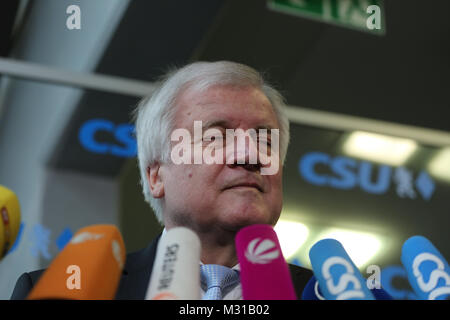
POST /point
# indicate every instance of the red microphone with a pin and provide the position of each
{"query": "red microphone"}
(264, 272)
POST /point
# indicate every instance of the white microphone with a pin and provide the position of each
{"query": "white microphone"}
(176, 271)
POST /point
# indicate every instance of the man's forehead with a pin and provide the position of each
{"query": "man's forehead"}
(224, 120)
(227, 111)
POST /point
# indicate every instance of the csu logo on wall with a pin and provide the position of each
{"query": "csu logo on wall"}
(346, 173)
(123, 134)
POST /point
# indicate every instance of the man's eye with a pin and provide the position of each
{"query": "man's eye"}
(264, 141)
(213, 138)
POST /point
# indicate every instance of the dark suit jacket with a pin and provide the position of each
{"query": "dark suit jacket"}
(136, 275)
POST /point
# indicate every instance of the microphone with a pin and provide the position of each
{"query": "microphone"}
(338, 277)
(381, 294)
(312, 292)
(176, 271)
(428, 272)
(88, 268)
(264, 272)
(9, 220)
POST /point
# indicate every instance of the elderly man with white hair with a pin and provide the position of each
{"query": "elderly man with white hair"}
(215, 199)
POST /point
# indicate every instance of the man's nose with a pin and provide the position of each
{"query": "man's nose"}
(243, 153)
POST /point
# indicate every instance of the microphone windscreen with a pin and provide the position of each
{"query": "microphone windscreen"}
(338, 277)
(9, 219)
(428, 271)
(312, 292)
(176, 270)
(381, 294)
(88, 268)
(264, 272)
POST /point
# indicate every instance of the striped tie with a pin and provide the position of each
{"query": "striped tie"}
(217, 278)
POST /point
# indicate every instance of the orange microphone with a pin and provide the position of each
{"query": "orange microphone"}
(88, 268)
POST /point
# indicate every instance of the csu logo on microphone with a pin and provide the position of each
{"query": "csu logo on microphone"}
(434, 276)
(349, 277)
(262, 251)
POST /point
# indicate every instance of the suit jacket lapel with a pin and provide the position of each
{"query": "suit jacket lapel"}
(136, 274)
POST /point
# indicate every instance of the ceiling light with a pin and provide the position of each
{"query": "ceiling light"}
(439, 166)
(379, 148)
(361, 247)
(292, 235)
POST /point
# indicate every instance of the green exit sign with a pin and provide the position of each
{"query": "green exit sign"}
(362, 15)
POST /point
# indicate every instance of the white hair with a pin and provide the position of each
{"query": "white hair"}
(154, 115)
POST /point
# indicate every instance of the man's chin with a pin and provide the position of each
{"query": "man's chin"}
(238, 220)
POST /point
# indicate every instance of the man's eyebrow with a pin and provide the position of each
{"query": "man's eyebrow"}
(226, 125)
(215, 123)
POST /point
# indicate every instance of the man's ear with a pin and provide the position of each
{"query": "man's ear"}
(154, 180)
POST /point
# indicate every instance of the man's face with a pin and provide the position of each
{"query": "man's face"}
(222, 196)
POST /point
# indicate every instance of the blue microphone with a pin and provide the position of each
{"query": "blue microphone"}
(428, 272)
(381, 294)
(338, 277)
(312, 292)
